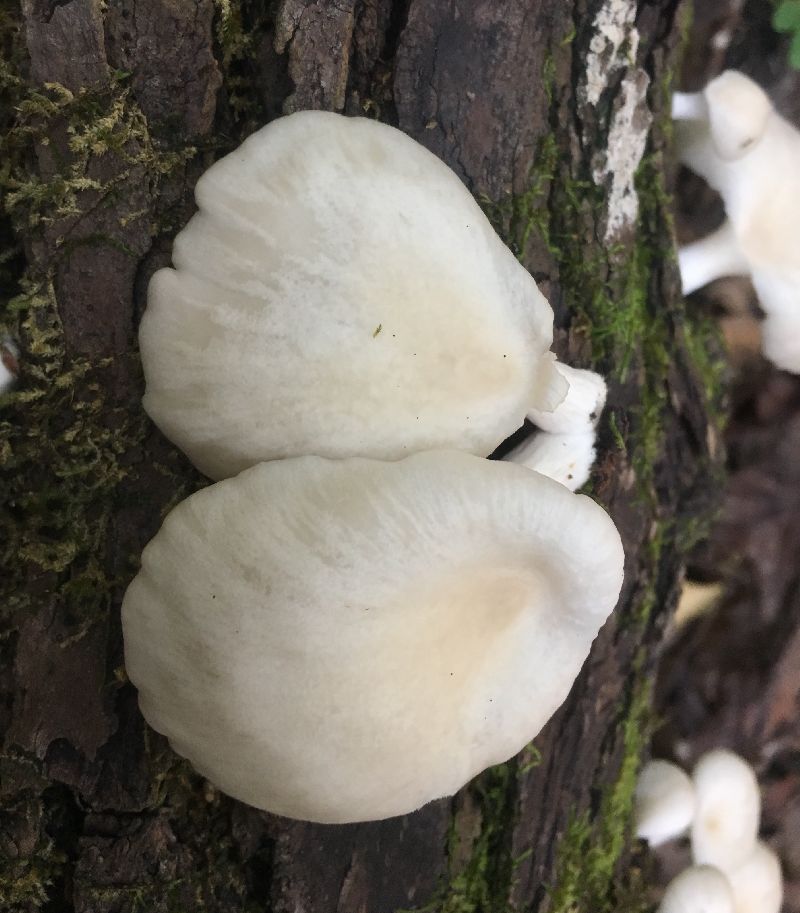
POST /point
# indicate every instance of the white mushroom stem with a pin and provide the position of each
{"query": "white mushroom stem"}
(725, 825)
(565, 458)
(564, 448)
(711, 258)
(780, 339)
(699, 889)
(577, 412)
(757, 884)
(664, 802)
(689, 106)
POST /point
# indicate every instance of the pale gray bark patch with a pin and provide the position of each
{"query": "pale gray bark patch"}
(317, 36)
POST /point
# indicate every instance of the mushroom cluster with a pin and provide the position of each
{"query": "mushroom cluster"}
(731, 135)
(720, 806)
(364, 612)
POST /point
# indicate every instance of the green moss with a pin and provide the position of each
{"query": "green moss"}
(588, 878)
(61, 438)
(239, 26)
(61, 445)
(703, 340)
(520, 217)
(25, 883)
(97, 123)
(549, 76)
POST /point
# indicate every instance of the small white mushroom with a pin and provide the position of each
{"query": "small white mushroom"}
(664, 802)
(341, 293)
(564, 448)
(580, 409)
(757, 883)
(698, 889)
(566, 458)
(731, 135)
(345, 640)
(728, 808)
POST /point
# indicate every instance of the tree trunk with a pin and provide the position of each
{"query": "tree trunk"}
(555, 115)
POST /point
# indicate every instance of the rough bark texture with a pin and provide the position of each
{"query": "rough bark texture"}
(553, 114)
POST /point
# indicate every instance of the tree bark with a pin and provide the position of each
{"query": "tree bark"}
(555, 115)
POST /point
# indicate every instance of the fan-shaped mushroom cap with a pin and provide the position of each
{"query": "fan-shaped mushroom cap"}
(340, 293)
(698, 889)
(757, 883)
(664, 802)
(728, 810)
(346, 640)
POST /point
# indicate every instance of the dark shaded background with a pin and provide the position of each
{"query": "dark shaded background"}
(732, 677)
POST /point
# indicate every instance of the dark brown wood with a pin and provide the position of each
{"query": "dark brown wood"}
(553, 114)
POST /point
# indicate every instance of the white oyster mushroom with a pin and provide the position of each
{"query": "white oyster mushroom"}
(341, 293)
(664, 802)
(698, 889)
(757, 883)
(728, 809)
(564, 448)
(346, 640)
(731, 135)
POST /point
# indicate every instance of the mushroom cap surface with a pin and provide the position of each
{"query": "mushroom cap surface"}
(757, 883)
(728, 809)
(346, 640)
(760, 185)
(738, 111)
(664, 802)
(698, 889)
(340, 293)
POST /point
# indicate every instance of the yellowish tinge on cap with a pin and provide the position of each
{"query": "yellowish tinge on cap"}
(347, 640)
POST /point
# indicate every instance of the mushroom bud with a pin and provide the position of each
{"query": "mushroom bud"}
(698, 889)
(731, 135)
(664, 802)
(757, 883)
(341, 293)
(728, 809)
(346, 640)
